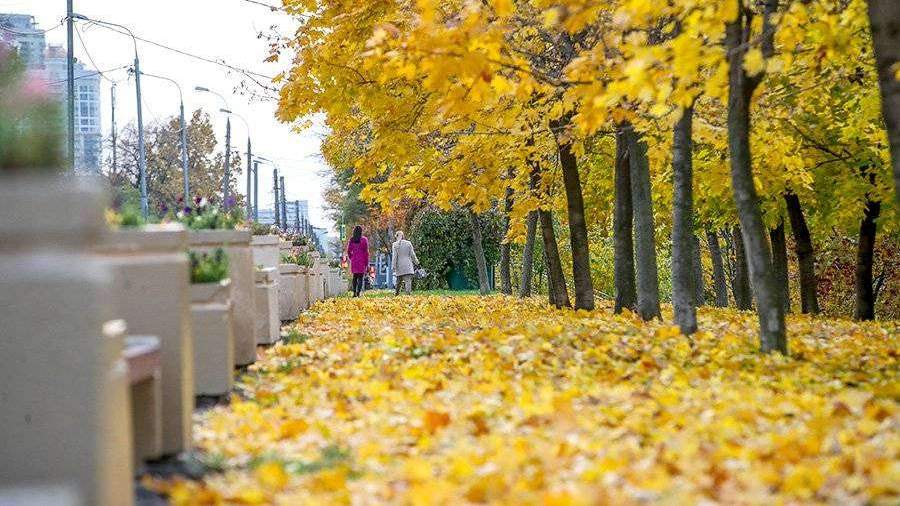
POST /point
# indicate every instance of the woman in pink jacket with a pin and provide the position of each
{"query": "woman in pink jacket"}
(358, 253)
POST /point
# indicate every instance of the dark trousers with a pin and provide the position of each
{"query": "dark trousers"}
(357, 284)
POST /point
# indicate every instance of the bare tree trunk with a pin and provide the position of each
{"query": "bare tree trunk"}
(505, 247)
(626, 296)
(780, 264)
(682, 220)
(719, 285)
(578, 236)
(697, 267)
(528, 255)
(559, 295)
(772, 333)
(865, 256)
(884, 17)
(741, 282)
(480, 262)
(806, 259)
(644, 231)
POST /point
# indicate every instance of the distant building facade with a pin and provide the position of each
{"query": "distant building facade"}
(21, 32)
(297, 214)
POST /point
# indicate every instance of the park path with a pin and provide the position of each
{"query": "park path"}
(455, 400)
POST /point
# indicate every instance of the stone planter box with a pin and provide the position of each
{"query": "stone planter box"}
(143, 356)
(213, 354)
(266, 250)
(236, 244)
(291, 292)
(316, 283)
(63, 382)
(268, 322)
(150, 283)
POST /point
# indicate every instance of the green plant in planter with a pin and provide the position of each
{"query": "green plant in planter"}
(206, 216)
(262, 229)
(300, 258)
(31, 124)
(208, 267)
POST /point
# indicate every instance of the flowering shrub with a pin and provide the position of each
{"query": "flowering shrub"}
(208, 267)
(203, 215)
(298, 257)
(31, 126)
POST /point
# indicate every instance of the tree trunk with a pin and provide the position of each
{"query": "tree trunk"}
(623, 270)
(772, 335)
(644, 231)
(719, 285)
(480, 262)
(682, 220)
(884, 17)
(865, 256)
(697, 267)
(806, 259)
(780, 264)
(578, 236)
(505, 247)
(559, 295)
(740, 285)
(528, 256)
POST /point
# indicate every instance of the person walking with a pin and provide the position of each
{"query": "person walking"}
(358, 253)
(403, 262)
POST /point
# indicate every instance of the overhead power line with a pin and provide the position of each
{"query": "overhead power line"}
(90, 58)
(91, 74)
(263, 4)
(32, 32)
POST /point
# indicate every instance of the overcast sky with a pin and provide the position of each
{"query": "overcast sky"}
(218, 29)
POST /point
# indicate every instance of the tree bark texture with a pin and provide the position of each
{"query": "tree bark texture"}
(719, 285)
(884, 17)
(772, 332)
(865, 256)
(505, 247)
(697, 268)
(683, 296)
(646, 275)
(578, 236)
(528, 256)
(780, 264)
(740, 285)
(478, 246)
(806, 259)
(559, 295)
(623, 268)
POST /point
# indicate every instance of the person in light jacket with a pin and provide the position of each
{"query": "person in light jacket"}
(358, 253)
(403, 262)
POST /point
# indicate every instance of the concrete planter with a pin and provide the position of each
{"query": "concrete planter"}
(268, 323)
(236, 244)
(63, 383)
(150, 282)
(212, 318)
(316, 283)
(289, 292)
(144, 358)
(266, 250)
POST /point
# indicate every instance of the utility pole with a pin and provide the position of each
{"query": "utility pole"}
(277, 206)
(297, 214)
(256, 191)
(185, 169)
(115, 163)
(227, 163)
(70, 76)
(249, 178)
(142, 155)
(283, 202)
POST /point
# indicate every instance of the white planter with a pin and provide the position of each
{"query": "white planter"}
(266, 250)
(63, 384)
(151, 278)
(144, 358)
(268, 323)
(316, 284)
(236, 244)
(211, 316)
(290, 292)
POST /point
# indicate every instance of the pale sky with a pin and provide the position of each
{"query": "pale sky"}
(217, 29)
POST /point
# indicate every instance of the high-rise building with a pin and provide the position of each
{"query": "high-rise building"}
(88, 136)
(21, 32)
(296, 209)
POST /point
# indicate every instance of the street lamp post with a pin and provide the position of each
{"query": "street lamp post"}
(249, 159)
(227, 176)
(142, 155)
(185, 170)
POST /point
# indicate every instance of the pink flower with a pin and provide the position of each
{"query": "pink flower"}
(35, 88)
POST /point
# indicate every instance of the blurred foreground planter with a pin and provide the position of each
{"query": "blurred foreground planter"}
(63, 383)
(236, 244)
(143, 356)
(211, 316)
(268, 323)
(292, 294)
(150, 282)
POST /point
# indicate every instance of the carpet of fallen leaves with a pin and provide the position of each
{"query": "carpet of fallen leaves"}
(471, 400)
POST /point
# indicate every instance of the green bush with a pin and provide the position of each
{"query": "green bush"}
(208, 267)
(300, 258)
